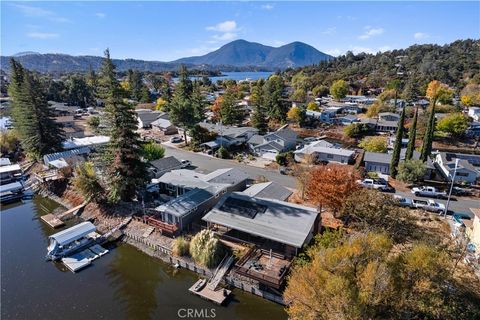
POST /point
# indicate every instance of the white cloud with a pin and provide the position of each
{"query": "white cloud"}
(100, 15)
(268, 6)
(227, 36)
(333, 52)
(370, 32)
(420, 35)
(330, 31)
(31, 11)
(225, 26)
(42, 35)
(358, 49)
(384, 48)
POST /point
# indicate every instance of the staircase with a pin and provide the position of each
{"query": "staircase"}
(148, 232)
(220, 272)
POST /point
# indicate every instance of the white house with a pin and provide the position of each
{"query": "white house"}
(474, 113)
(468, 169)
(324, 151)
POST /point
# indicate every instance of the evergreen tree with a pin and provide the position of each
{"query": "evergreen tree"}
(398, 146)
(229, 112)
(126, 171)
(92, 81)
(273, 98)
(198, 102)
(182, 110)
(32, 116)
(428, 138)
(259, 115)
(412, 136)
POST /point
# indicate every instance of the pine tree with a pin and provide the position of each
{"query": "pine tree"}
(126, 171)
(198, 102)
(182, 109)
(259, 115)
(428, 138)
(32, 116)
(229, 112)
(398, 146)
(412, 135)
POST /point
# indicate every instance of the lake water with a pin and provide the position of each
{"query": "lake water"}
(124, 284)
(242, 76)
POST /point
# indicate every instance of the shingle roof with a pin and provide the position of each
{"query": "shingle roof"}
(168, 163)
(148, 117)
(279, 221)
(226, 176)
(228, 131)
(269, 190)
(187, 202)
(284, 133)
(162, 123)
(271, 144)
(256, 139)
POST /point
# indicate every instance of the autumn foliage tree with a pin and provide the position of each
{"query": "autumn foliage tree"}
(330, 185)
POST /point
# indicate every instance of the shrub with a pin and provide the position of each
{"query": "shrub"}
(411, 171)
(206, 250)
(356, 130)
(87, 182)
(153, 151)
(223, 153)
(284, 159)
(374, 144)
(181, 247)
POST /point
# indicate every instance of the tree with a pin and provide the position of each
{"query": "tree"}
(295, 115)
(411, 170)
(397, 146)
(9, 141)
(299, 95)
(374, 144)
(259, 115)
(329, 185)
(395, 86)
(161, 104)
(230, 113)
(32, 117)
(320, 91)
(205, 249)
(470, 95)
(428, 137)
(152, 151)
(356, 130)
(223, 153)
(201, 135)
(312, 106)
(412, 136)
(455, 124)
(181, 246)
(78, 92)
(87, 182)
(339, 89)
(272, 98)
(93, 122)
(125, 171)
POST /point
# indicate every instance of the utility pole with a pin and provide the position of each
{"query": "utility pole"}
(451, 188)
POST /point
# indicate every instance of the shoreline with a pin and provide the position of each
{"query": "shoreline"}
(133, 235)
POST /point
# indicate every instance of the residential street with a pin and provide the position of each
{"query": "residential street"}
(206, 164)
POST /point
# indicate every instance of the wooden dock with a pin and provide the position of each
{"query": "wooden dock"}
(52, 220)
(218, 296)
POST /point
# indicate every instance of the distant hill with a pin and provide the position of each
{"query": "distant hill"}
(244, 53)
(239, 55)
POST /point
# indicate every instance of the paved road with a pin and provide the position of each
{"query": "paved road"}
(206, 164)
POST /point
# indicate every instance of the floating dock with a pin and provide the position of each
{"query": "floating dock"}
(218, 295)
(82, 259)
(52, 220)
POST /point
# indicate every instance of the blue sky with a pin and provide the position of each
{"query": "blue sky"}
(169, 30)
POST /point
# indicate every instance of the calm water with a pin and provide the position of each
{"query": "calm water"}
(124, 284)
(242, 76)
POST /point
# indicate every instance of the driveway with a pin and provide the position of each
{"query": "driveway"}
(207, 164)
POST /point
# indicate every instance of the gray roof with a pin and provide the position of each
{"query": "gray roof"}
(396, 115)
(256, 139)
(326, 150)
(467, 161)
(386, 158)
(148, 117)
(74, 233)
(184, 178)
(284, 134)
(162, 123)
(271, 144)
(385, 123)
(187, 202)
(269, 190)
(65, 154)
(228, 131)
(168, 163)
(229, 176)
(11, 187)
(279, 221)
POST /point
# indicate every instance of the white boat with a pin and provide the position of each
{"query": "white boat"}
(70, 240)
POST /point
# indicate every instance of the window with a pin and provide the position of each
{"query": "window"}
(329, 156)
(462, 174)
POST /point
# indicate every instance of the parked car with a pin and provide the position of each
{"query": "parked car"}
(460, 191)
(404, 202)
(377, 184)
(426, 191)
(310, 139)
(186, 163)
(428, 205)
(176, 139)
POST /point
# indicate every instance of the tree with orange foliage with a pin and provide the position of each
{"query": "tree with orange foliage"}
(330, 185)
(215, 108)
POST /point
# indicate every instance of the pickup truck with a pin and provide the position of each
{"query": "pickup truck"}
(377, 184)
(428, 192)
(428, 205)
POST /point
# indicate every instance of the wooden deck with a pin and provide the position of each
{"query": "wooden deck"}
(52, 220)
(217, 296)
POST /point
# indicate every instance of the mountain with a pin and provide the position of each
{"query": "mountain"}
(239, 55)
(25, 53)
(244, 53)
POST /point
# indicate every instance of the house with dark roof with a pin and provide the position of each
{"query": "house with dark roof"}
(468, 167)
(146, 117)
(380, 162)
(163, 165)
(388, 116)
(282, 140)
(268, 190)
(165, 126)
(228, 136)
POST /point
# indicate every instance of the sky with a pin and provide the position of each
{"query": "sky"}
(166, 31)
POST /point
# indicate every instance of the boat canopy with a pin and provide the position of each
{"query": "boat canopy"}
(74, 233)
(11, 187)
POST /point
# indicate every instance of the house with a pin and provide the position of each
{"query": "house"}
(323, 151)
(163, 165)
(254, 141)
(422, 103)
(388, 116)
(474, 113)
(281, 226)
(66, 158)
(348, 119)
(473, 230)
(73, 132)
(165, 126)
(194, 193)
(352, 108)
(282, 140)
(386, 126)
(380, 162)
(10, 173)
(322, 116)
(229, 136)
(473, 130)
(146, 117)
(268, 190)
(91, 142)
(391, 142)
(65, 121)
(468, 169)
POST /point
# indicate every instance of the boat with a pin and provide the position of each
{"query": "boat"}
(71, 240)
(11, 192)
(199, 285)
